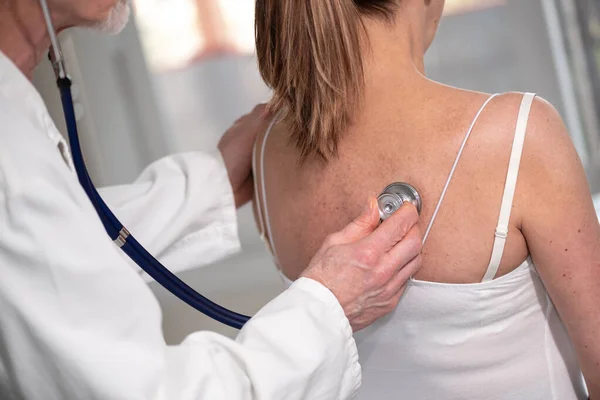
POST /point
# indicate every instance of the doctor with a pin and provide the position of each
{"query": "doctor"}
(76, 322)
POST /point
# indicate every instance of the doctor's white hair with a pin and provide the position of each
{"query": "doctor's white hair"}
(117, 18)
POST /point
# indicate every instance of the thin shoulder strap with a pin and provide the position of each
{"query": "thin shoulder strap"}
(460, 151)
(263, 218)
(509, 188)
(261, 223)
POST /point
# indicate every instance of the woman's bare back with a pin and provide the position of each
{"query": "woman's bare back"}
(412, 140)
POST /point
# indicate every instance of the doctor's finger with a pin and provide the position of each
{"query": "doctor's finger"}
(393, 230)
(398, 282)
(261, 110)
(404, 251)
(245, 192)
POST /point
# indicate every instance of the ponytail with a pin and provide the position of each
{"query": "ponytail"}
(309, 53)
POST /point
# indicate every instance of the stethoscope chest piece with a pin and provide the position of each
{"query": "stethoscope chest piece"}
(396, 194)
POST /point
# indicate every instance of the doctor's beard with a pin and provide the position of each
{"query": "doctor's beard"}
(117, 18)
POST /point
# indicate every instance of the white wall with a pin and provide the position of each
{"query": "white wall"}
(201, 101)
(499, 49)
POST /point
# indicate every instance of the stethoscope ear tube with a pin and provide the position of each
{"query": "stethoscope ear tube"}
(121, 236)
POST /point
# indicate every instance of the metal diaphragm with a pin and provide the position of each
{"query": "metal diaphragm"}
(396, 194)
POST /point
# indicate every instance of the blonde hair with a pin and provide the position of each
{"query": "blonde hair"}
(309, 53)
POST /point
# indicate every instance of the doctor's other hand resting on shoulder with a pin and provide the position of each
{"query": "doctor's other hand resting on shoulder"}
(236, 149)
(77, 322)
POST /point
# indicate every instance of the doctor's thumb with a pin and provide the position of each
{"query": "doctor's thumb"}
(363, 225)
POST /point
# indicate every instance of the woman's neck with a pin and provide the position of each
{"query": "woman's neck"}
(393, 61)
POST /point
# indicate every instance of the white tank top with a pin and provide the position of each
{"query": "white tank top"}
(500, 339)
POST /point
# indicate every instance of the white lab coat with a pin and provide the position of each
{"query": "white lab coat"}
(77, 322)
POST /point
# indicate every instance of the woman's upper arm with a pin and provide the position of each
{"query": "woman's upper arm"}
(562, 232)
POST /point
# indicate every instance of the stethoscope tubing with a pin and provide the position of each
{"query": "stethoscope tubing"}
(129, 244)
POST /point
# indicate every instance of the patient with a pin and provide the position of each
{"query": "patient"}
(506, 305)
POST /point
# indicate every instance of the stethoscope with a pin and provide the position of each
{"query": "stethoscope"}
(389, 201)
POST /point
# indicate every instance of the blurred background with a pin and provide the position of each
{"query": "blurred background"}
(184, 70)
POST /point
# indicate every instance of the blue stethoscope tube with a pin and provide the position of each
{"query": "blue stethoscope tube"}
(125, 240)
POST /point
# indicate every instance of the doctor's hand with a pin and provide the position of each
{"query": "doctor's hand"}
(236, 148)
(366, 266)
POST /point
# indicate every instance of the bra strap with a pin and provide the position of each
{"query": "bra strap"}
(509, 188)
(460, 151)
(261, 193)
(259, 213)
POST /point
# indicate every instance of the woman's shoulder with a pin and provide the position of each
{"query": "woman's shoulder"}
(546, 135)
(548, 154)
(547, 140)
(543, 114)
(504, 106)
(549, 159)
